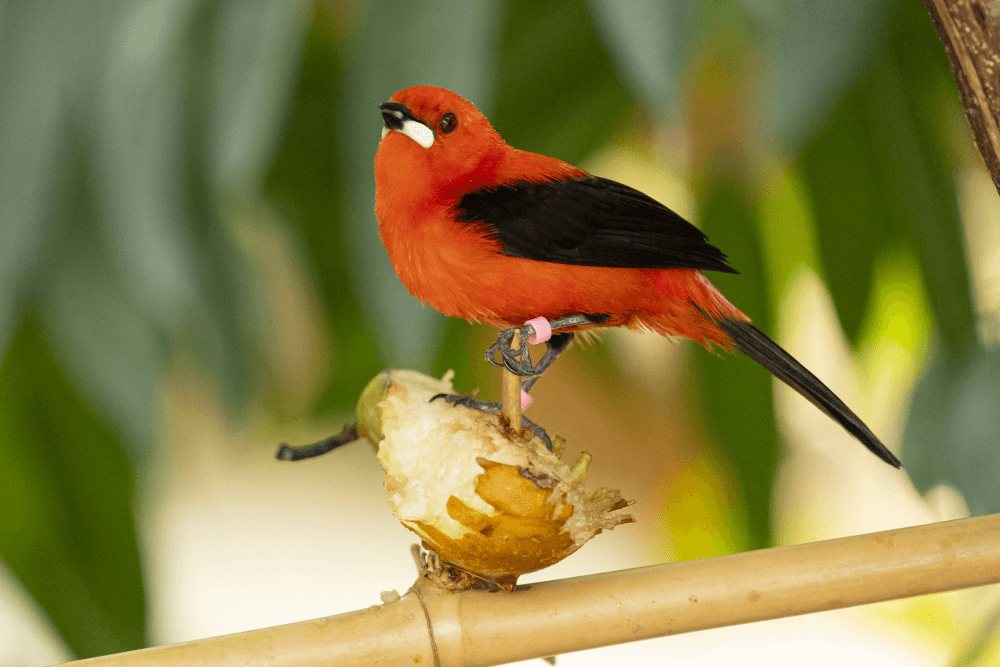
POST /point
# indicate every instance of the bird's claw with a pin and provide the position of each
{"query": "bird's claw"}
(516, 361)
(492, 408)
(468, 402)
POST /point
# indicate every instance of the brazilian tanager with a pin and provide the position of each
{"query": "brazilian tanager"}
(486, 232)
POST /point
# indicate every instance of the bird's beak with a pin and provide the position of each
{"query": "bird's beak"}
(394, 114)
(397, 117)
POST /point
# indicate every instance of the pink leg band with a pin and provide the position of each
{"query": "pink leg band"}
(543, 331)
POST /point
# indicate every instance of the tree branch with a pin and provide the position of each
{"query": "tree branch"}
(970, 32)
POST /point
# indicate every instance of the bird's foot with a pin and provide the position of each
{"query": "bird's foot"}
(468, 402)
(538, 330)
(516, 361)
(493, 409)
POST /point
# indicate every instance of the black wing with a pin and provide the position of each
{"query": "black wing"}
(590, 221)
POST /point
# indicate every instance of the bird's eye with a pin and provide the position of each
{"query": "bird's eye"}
(448, 123)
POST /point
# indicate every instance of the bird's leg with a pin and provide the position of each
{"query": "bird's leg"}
(519, 361)
(516, 361)
(555, 346)
(492, 408)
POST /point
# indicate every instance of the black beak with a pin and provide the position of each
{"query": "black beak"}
(394, 114)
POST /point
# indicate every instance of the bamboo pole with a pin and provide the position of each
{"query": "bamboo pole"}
(510, 394)
(476, 628)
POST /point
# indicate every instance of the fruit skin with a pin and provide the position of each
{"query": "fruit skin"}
(368, 410)
(492, 506)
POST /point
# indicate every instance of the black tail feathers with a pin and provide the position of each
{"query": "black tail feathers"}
(751, 342)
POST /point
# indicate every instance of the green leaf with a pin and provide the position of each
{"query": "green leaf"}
(31, 115)
(66, 527)
(306, 182)
(920, 194)
(400, 45)
(877, 174)
(737, 394)
(853, 219)
(648, 42)
(112, 349)
(258, 50)
(137, 145)
(63, 232)
(933, 222)
(185, 122)
(819, 49)
(953, 432)
(557, 92)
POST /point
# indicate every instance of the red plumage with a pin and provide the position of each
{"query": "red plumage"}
(461, 271)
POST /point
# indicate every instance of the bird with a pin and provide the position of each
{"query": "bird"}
(480, 230)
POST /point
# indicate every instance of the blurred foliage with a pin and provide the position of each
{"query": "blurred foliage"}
(649, 41)
(306, 183)
(958, 404)
(819, 49)
(737, 398)
(126, 130)
(66, 527)
(133, 135)
(558, 93)
(882, 146)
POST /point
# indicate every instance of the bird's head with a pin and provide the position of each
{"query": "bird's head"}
(436, 142)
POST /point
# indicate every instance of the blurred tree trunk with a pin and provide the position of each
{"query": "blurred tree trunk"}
(970, 32)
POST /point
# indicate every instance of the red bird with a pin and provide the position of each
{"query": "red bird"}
(486, 232)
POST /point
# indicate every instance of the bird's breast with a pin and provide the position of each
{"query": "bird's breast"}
(443, 262)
